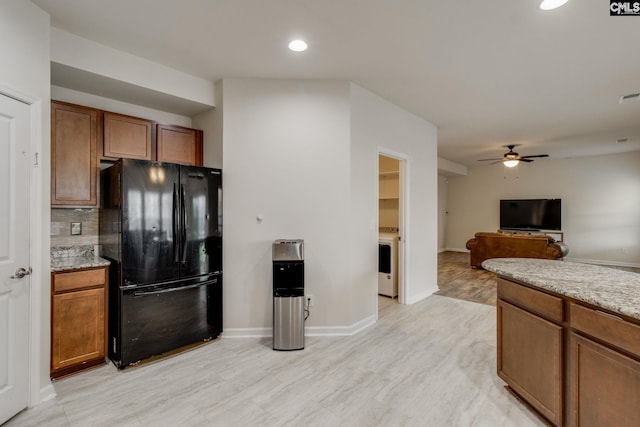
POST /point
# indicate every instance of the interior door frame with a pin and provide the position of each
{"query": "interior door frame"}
(39, 293)
(403, 217)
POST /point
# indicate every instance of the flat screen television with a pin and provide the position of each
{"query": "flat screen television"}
(531, 214)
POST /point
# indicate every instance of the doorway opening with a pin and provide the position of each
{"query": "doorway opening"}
(391, 228)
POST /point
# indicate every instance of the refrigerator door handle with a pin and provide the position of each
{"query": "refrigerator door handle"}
(184, 223)
(176, 246)
(175, 289)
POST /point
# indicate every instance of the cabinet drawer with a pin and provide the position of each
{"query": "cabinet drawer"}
(606, 327)
(538, 302)
(63, 282)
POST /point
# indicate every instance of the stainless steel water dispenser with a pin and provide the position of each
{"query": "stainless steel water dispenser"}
(288, 294)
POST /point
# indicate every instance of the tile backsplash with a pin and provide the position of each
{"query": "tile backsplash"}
(61, 220)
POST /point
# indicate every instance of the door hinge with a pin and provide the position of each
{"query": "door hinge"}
(35, 164)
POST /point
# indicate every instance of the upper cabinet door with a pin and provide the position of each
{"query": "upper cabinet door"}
(128, 137)
(179, 145)
(74, 167)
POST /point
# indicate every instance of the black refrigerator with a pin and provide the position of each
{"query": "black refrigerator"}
(161, 228)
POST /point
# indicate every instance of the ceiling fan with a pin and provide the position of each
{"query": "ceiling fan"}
(511, 158)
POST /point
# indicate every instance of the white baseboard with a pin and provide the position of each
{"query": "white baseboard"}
(309, 331)
(422, 295)
(246, 333)
(340, 331)
(46, 393)
(457, 250)
(603, 262)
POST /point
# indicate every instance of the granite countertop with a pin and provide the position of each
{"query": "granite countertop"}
(75, 258)
(609, 288)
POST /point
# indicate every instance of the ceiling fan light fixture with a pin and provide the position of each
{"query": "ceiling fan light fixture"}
(552, 4)
(511, 163)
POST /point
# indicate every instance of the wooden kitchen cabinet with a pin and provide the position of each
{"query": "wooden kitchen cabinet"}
(530, 347)
(604, 369)
(74, 164)
(126, 136)
(574, 363)
(176, 144)
(78, 320)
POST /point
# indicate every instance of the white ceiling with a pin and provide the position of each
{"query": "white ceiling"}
(486, 73)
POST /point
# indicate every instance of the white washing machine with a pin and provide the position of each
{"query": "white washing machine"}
(388, 264)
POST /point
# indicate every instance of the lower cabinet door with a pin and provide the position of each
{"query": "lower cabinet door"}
(78, 329)
(530, 359)
(604, 385)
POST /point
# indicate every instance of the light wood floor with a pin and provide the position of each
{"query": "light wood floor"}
(427, 364)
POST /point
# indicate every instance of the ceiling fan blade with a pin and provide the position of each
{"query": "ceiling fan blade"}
(525, 160)
(499, 161)
(488, 160)
(538, 155)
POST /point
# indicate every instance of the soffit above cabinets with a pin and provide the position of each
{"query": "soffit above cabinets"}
(85, 81)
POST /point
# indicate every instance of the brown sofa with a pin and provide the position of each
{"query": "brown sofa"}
(486, 245)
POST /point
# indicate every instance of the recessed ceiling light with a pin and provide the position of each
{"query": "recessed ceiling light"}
(298, 46)
(552, 4)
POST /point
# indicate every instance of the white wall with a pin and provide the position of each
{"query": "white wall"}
(89, 56)
(447, 167)
(24, 43)
(304, 155)
(285, 157)
(211, 123)
(376, 124)
(443, 184)
(600, 203)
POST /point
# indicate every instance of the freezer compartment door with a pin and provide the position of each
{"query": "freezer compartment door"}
(162, 318)
(201, 216)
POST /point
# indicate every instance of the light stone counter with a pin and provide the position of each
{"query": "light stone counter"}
(611, 289)
(77, 263)
(75, 258)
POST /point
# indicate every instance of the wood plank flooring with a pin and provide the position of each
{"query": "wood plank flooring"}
(432, 363)
(456, 279)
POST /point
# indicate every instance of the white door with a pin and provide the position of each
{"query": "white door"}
(15, 172)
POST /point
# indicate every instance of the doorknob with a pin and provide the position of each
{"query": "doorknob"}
(20, 273)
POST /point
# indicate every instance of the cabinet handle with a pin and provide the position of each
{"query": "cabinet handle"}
(175, 226)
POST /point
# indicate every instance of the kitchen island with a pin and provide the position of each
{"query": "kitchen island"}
(569, 340)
